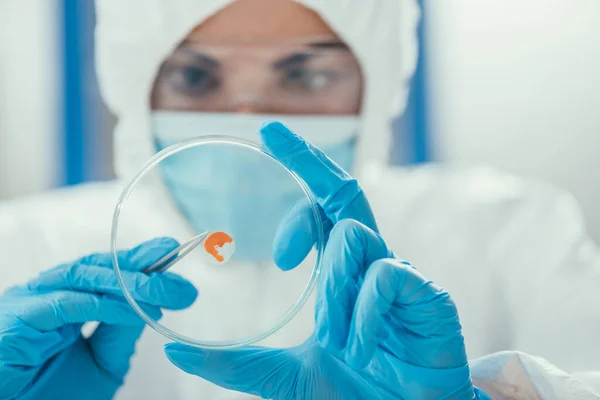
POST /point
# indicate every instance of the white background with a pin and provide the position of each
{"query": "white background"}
(516, 83)
(29, 96)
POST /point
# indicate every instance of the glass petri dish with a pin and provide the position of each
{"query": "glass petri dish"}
(225, 187)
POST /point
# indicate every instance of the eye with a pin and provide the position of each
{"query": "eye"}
(307, 79)
(193, 80)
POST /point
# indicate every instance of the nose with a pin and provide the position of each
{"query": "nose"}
(249, 87)
(249, 103)
(246, 109)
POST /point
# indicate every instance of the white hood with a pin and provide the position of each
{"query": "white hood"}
(133, 38)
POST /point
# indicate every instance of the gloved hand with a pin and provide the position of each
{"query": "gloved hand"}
(382, 330)
(42, 352)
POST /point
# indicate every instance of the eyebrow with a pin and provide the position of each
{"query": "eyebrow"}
(301, 58)
(201, 58)
(330, 44)
(292, 60)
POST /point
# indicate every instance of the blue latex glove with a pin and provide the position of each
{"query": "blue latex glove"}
(382, 330)
(42, 352)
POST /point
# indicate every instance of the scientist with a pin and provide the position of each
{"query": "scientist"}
(515, 256)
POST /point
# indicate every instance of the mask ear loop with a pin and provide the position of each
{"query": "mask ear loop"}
(177, 254)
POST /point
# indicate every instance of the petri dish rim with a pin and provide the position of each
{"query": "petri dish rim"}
(163, 330)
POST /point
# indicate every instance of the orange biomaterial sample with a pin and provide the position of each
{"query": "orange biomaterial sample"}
(215, 242)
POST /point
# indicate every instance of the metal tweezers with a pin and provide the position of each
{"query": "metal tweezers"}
(177, 254)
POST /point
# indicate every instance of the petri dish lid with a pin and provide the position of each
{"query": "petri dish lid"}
(240, 198)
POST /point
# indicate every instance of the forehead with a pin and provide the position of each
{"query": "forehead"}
(267, 19)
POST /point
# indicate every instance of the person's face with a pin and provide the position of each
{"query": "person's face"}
(261, 56)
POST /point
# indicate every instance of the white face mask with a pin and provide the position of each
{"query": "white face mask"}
(188, 181)
(323, 131)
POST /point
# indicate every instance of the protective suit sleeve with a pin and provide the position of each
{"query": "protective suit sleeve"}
(516, 375)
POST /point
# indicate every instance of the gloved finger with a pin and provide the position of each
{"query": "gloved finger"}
(163, 290)
(296, 235)
(16, 379)
(406, 314)
(113, 346)
(337, 192)
(135, 259)
(255, 370)
(384, 278)
(56, 309)
(352, 247)
(17, 290)
(26, 347)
